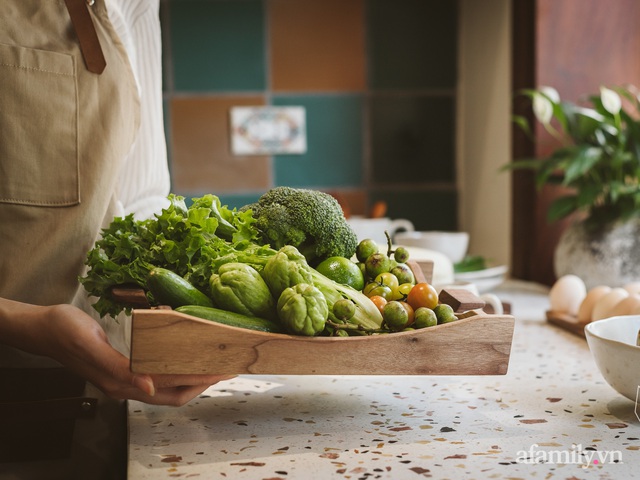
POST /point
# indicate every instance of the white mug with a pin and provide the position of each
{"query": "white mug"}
(374, 228)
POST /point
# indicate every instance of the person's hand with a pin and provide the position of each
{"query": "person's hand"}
(70, 336)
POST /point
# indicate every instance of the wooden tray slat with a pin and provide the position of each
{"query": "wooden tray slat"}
(165, 341)
(566, 322)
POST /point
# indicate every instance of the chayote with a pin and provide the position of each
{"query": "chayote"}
(285, 269)
(238, 287)
(303, 310)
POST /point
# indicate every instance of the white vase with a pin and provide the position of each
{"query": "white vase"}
(608, 256)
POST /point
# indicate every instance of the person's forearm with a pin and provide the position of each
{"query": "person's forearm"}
(19, 325)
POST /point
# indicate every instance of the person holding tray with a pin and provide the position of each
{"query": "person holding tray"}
(81, 142)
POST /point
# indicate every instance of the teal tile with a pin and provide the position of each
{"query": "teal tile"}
(239, 200)
(413, 138)
(428, 210)
(166, 118)
(218, 45)
(334, 143)
(412, 43)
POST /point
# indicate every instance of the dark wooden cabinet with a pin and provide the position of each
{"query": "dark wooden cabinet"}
(574, 46)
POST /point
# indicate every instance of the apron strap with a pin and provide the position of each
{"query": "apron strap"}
(87, 36)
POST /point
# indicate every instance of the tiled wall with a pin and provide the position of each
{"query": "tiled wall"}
(377, 79)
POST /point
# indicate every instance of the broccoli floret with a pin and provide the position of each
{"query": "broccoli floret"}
(310, 220)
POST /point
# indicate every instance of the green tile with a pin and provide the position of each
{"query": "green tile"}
(218, 45)
(428, 210)
(412, 43)
(334, 143)
(413, 138)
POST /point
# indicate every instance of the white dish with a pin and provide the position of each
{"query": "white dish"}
(486, 279)
(452, 244)
(612, 342)
(484, 273)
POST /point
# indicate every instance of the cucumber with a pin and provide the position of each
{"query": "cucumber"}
(230, 318)
(169, 288)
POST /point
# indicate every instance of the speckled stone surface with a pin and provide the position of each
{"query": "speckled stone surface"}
(551, 416)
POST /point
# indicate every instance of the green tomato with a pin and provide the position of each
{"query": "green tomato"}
(376, 264)
(388, 279)
(402, 291)
(344, 309)
(425, 317)
(403, 273)
(383, 291)
(365, 249)
(395, 316)
(368, 287)
(401, 255)
(444, 313)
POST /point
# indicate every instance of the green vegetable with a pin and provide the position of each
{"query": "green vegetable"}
(169, 288)
(238, 287)
(183, 240)
(288, 268)
(470, 263)
(310, 220)
(186, 241)
(285, 269)
(367, 314)
(230, 318)
(303, 310)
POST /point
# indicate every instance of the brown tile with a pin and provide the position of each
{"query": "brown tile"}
(202, 161)
(353, 202)
(317, 44)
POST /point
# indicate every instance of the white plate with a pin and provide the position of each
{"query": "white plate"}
(499, 270)
(486, 279)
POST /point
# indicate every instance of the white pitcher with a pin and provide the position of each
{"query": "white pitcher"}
(374, 228)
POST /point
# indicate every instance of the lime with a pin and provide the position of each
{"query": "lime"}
(342, 270)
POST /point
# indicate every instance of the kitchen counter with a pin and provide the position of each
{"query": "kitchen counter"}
(551, 416)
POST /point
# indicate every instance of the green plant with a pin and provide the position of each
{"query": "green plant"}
(598, 159)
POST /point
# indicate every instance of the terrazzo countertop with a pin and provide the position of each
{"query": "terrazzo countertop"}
(551, 416)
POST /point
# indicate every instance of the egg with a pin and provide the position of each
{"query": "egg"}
(606, 303)
(586, 307)
(627, 306)
(566, 294)
(633, 287)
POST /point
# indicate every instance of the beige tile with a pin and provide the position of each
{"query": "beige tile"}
(317, 44)
(201, 159)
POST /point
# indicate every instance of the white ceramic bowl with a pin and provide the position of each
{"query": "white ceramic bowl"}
(612, 342)
(453, 244)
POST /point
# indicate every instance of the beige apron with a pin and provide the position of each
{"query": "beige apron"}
(64, 132)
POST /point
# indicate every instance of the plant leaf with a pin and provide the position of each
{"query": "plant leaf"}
(562, 207)
(585, 158)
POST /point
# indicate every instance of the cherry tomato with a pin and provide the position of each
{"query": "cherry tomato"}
(401, 291)
(395, 316)
(422, 295)
(388, 279)
(410, 312)
(379, 302)
(425, 317)
(381, 290)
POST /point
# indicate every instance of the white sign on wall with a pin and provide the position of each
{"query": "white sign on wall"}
(268, 130)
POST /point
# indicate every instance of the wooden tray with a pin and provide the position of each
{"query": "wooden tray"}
(566, 322)
(165, 341)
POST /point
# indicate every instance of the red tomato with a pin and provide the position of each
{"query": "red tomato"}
(422, 295)
(379, 301)
(410, 312)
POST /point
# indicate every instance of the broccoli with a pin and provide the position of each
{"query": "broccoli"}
(310, 220)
